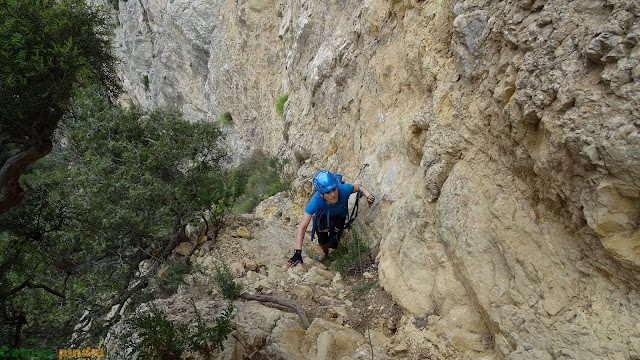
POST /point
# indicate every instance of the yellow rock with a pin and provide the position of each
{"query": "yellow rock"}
(243, 233)
(163, 271)
(616, 222)
(184, 248)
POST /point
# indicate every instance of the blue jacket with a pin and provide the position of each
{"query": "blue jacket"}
(319, 205)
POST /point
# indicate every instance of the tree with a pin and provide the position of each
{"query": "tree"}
(102, 213)
(47, 49)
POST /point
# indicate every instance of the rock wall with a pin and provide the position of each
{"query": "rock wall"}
(501, 140)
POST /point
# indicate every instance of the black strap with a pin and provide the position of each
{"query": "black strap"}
(351, 218)
(354, 211)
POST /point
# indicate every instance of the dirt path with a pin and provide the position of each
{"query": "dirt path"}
(266, 252)
(256, 251)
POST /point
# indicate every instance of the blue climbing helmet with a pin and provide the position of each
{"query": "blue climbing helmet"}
(324, 181)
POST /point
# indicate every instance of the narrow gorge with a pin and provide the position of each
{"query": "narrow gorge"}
(502, 142)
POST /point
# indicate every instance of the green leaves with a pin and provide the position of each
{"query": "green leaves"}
(226, 118)
(226, 282)
(154, 169)
(46, 48)
(255, 180)
(159, 338)
(280, 104)
(352, 254)
(117, 189)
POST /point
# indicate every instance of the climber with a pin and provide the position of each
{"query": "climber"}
(329, 208)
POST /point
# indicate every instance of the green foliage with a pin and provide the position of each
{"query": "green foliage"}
(118, 192)
(149, 171)
(145, 81)
(257, 179)
(174, 276)
(206, 339)
(365, 286)
(159, 337)
(225, 118)
(350, 256)
(280, 104)
(115, 4)
(46, 49)
(225, 281)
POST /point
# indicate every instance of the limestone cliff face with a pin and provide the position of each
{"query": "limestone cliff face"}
(501, 140)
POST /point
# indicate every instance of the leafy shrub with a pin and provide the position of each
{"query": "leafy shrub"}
(159, 337)
(116, 194)
(225, 281)
(365, 286)
(115, 4)
(225, 118)
(206, 339)
(351, 255)
(145, 81)
(48, 51)
(174, 276)
(255, 180)
(280, 104)
(163, 339)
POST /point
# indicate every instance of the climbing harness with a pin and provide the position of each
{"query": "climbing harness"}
(351, 217)
(339, 228)
(354, 212)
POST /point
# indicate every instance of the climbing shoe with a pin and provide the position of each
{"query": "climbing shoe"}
(320, 258)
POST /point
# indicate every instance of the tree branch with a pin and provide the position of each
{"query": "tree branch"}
(119, 300)
(196, 244)
(29, 284)
(127, 290)
(10, 191)
(280, 301)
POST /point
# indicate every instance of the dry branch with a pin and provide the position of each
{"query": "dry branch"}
(280, 301)
(10, 191)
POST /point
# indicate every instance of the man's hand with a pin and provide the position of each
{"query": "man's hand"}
(370, 199)
(295, 259)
